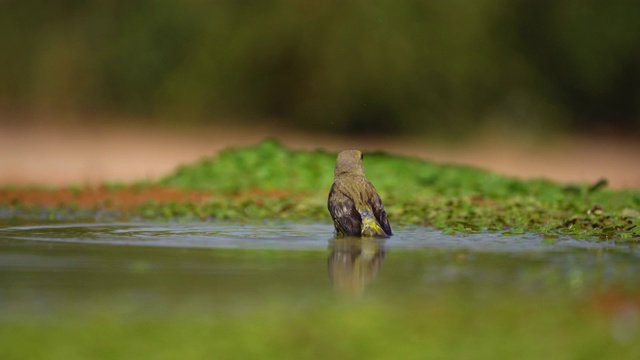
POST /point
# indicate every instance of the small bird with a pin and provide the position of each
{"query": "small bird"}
(354, 204)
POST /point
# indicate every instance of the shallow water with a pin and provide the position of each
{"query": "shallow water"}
(284, 280)
(281, 236)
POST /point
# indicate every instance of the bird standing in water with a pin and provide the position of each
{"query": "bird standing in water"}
(354, 204)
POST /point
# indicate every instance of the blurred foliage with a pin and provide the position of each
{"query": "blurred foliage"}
(352, 66)
(436, 323)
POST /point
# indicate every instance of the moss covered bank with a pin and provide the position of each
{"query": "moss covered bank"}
(267, 181)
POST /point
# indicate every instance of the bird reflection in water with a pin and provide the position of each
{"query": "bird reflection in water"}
(354, 262)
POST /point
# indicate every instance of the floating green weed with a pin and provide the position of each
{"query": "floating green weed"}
(452, 198)
(268, 181)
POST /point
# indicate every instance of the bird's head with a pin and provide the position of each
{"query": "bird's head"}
(349, 162)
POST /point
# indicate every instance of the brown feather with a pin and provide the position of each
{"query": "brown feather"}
(352, 195)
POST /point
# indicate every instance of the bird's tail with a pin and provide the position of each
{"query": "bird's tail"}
(370, 226)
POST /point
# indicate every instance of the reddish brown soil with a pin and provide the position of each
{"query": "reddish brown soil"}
(99, 196)
(122, 199)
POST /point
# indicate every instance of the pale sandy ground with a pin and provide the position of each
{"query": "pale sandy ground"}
(80, 154)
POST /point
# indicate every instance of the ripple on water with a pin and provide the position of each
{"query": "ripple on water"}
(280, 236)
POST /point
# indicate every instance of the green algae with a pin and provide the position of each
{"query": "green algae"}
(448, 197)
(268, 181)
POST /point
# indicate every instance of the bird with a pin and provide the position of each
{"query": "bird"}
(354, 204)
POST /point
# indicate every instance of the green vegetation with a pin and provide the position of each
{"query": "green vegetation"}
(267, 181)
(452, 198)
(449, 67)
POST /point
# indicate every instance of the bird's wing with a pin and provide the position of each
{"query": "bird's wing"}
(380, 213)
(346, 218)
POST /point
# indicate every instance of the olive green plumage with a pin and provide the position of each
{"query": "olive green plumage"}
(354, 204)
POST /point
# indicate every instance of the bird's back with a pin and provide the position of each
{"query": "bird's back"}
(356, 208)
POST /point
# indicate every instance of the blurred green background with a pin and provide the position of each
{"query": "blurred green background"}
(350, 66)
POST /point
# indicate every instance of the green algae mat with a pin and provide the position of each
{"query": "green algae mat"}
(268, 181)
(448, 197)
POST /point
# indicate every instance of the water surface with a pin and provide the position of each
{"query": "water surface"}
(277, 289)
